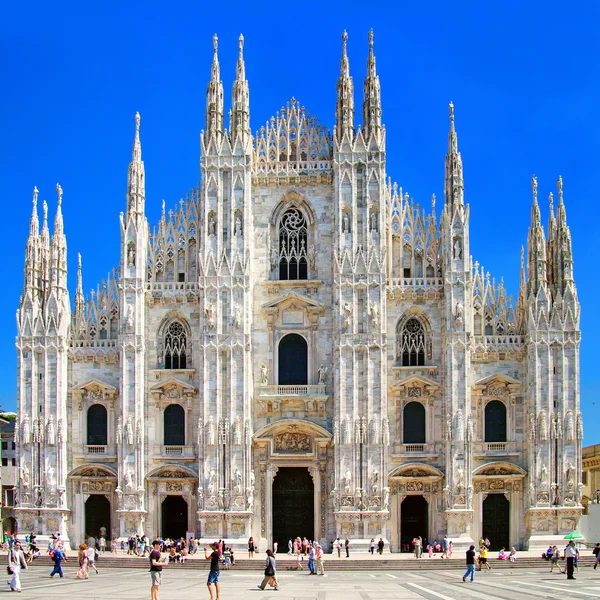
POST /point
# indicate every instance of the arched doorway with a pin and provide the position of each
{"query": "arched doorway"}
(293, 360)
(496, 521)
(97, 515)
(293, 505)
(414, 521)
(174, 512)
(9, 524)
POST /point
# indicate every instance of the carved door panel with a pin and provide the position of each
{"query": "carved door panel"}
(293, 505)
(496, 521)
(414, 521)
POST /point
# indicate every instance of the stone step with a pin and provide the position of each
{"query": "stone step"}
(366, 563)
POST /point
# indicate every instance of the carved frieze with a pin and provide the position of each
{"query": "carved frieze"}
(291, 441)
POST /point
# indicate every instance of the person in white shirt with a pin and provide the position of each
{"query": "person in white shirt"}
(570, 553)
(90, 552)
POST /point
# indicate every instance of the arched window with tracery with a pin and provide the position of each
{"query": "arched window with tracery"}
(175, 346)
(412, 343)
(293, 245)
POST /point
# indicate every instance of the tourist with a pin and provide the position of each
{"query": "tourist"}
(305, 546)
(470, 564)
(215, 570)
(372, 546)
(299, 566)
(275, 544)
(290, 547)
(82, 560)
(513, 555)
(311, 559)
(548, 554)
(270, 571)
(250, 547)
(16, 562)
(570, 554)
(347, 545)
(430, 550)
(502, 555)
(92, 556)
(445, 547)
(380, 546)
(156, 567)
(57, 555)
(483, 557)
(338, 546)
(596, 553)
(450, 549)
(554, 560)
(227, 559)
(113, 545)
(320, 563)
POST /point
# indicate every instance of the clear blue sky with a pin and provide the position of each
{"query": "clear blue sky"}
(524, 77)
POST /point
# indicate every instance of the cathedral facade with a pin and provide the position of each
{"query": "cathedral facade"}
(297, 348)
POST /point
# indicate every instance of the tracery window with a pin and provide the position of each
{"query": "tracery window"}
(293, 242)
(175, 347)
(412, 343)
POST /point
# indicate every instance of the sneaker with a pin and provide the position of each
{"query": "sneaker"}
(464, 579)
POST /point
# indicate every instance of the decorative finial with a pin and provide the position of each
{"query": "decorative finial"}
(45, 209)
(35, 196)
(371, 38)
(241, 42)
(560, 189)
(79, 260)
(60, 193)
(137, 122)
(534, 186)
(344, 39)
(215, 42)
(451, 111)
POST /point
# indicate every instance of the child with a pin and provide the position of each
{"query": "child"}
(299, 561)
(430, 550)
(502, 555)
(227, 559)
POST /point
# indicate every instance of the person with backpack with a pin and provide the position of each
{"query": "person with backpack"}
(596, 553)
(16, 562)
(57, 555)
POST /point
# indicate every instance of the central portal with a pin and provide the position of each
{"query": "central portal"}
(293, 505)
(414, 521)
(174, 517)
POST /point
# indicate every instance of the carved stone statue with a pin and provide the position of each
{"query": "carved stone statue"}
(386, 498)
(200, 432)
(458, 425)
(264, 374)
(119, 430)
(129, 317)
(210, 431)
(25, 477)
(457, 249)
(373, 221)
(131, 256)
(570, 427)
(458, 313)
(544, 476)
(274, 258)
(460, 476)
(211, 225)
(129, 432)
(50, 436)
(252, 478)
(348, 482)
(237, 478)
(211, 482)
(375, 482)
(347, 311)
(322, 373)
(238, 226)
(249, 499)
(374, 312)
(26, 431)
(543, 426)
(237, 317)
(49, 477)
(345, 223)
(312, 258)
(570, 476)
(128, 481)
(532, 498)
(209, 315)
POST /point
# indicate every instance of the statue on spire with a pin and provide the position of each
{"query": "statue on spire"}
(371, 97)
(344, 121)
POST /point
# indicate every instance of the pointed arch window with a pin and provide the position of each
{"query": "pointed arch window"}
(293, 245)
(175, 347)
(412, 343)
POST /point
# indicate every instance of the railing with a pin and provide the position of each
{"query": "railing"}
(292, 390)
(498, 340)
(184, 451)
(289, 166)
(416, 282)
(496, 446)
(414, 447)
(95, 449)
(94, 344)
(172, 286)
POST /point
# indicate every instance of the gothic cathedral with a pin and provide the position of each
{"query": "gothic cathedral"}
(296, 348)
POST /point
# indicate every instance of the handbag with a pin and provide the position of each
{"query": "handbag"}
(9, 570)
(269, 571)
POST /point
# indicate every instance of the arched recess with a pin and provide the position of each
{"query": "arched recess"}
(174, 425)
(413, 339)
(173, 344)
(413, 423)
(293, 360)
(495, 421)
(416, 470)
(97, 425)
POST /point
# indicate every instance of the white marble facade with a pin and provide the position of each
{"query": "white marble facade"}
(405, 342)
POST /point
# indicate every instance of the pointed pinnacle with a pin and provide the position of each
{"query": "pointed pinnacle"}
(60, 194)
(241, 69)
(534, 187)
(451, 112)
(560, 190)
(216, 70)
(136, 155)
(34, 223)
(371, 61)
(344, 64)
(35, 196)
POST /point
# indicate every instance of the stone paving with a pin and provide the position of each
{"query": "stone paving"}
(116, 584)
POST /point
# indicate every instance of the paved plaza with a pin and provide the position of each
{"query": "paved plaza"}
(134, 584)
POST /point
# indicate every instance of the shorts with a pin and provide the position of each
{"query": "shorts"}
(156, 577)
(213, 577)
(483, 560)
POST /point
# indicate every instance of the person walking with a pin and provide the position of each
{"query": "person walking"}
(16, 562)
(320, 560)
(347, 546)
(91, 554)
(83, 571)
(380, 546)
(483, 557)
(445, 547)
(338, 546)
(470, 564)
(215, 570)
(311, 560)
(290, 547)
(554, 558)
(251, 547)
(270, 571)
(58, 558)
(156, 567)
(570, 554)
(596, 553)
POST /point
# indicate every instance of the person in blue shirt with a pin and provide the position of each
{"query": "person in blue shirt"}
(58, 558)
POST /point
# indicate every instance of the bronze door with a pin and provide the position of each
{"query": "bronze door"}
(293, 505)
(496, 521)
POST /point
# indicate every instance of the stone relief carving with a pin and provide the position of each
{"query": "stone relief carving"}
(292, 442)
